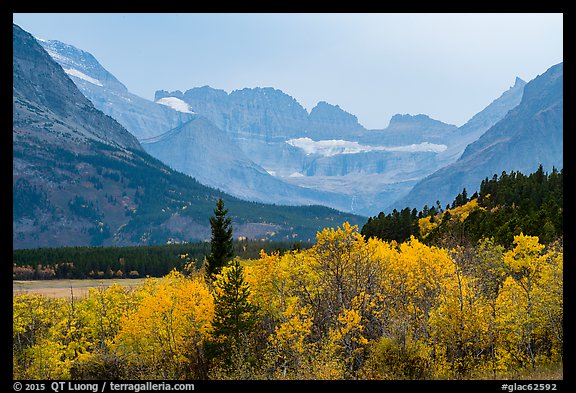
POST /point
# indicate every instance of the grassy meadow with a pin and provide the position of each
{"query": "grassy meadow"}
(66, 288)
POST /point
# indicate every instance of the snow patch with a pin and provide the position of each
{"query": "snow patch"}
(424, 146)
(332, 147)
(57, 56)
(296, 174)
(326, 148)
(176, 104)
(83, 76)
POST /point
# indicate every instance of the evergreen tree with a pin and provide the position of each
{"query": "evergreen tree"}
(221, 245)
(234, 314)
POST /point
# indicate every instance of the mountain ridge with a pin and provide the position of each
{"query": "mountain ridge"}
(531, 134)
(364, 171)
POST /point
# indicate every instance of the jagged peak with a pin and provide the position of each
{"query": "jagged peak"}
(402, 118)
(323, 105)
(205, 91)
(519, 82)
(261, 91)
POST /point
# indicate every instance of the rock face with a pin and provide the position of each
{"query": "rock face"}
(405, 130)
(80, 178)
(82, 65)
(496, 110)
(41, 87)
(529, 135)
(328, 149)
(328, 121)
(171, 131)
(207, 153)
(265, 114)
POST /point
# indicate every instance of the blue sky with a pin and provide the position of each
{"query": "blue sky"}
(448, 66)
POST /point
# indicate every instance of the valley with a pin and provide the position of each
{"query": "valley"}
(217, 235)
(277, 152)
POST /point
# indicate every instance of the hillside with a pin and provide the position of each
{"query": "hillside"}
(503, 207)
(529, 135)
(79, 178)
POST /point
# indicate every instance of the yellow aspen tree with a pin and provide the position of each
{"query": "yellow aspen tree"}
(489, 272)
(515, 304)
(288, 345)
(416, 278)
(347, 270)
(348, 341)
(163, 337)
(459, 323)
(101, 312)
(549, 306)
(38, 352)
(99, 317)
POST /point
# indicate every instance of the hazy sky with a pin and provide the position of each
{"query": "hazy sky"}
(448, 66)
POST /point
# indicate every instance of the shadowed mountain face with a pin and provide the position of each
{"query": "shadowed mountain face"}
(80, 178)
(41, 88)
(529, 135)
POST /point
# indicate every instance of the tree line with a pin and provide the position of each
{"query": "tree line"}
(127, 262)
(504, 207)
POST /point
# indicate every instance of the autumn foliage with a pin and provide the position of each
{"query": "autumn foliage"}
(347, 308)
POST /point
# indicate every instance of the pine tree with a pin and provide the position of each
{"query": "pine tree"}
(234, 314)
(221, 245)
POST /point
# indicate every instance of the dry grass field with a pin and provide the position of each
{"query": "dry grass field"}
(67, 288)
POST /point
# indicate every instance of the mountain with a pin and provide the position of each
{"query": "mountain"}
(496, 110)
(327, 121)
(529, 135)
(171, 131)
(411, 129)
(205, 152)
(143, 118)
(265, 114)
(373, 167)
(80, 178)
(485, 119)
(327, 150)
(42, 89)
(277, 151)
